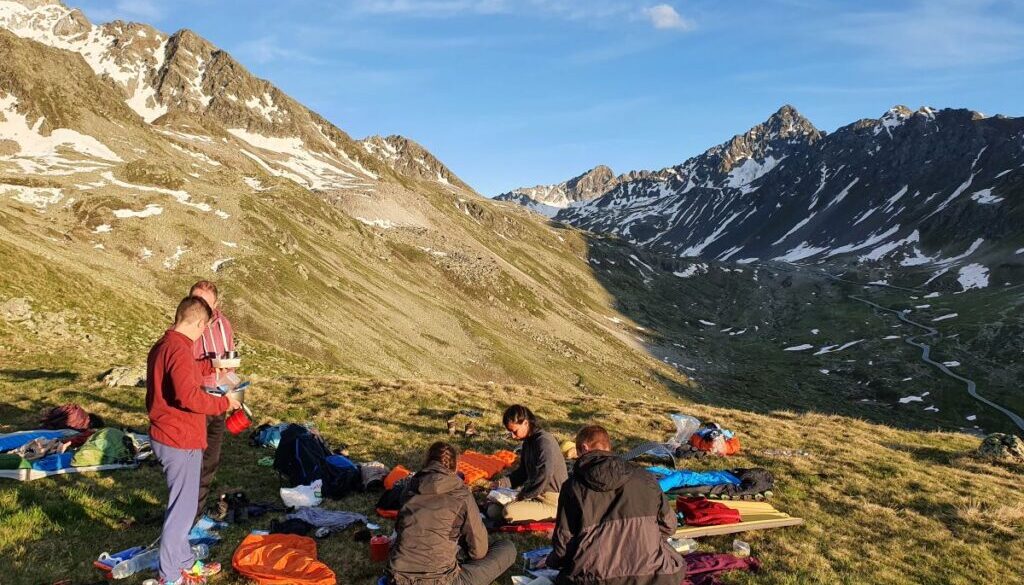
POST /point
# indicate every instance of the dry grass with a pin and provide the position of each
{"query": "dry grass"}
(882, 505)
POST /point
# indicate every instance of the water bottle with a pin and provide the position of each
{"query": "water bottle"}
(150, 560)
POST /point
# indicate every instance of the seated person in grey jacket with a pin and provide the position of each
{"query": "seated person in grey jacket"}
(540, 474)
(612, 522)
(437, 517)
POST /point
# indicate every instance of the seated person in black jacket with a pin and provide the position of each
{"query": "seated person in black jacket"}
(613, 522)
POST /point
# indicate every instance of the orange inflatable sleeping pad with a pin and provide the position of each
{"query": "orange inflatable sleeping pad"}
(508, 457)
(395, 475)
(281, 559)
(490, 464)
(470, 473)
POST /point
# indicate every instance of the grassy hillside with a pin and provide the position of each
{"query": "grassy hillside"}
(881, 505)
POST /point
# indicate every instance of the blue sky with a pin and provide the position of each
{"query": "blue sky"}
(513, 93)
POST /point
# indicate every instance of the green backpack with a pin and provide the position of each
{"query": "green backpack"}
(105, 447)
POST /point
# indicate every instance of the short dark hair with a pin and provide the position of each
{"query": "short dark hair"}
(594, 437)
(444, 454)
(517, 413)
(192, 309)
(204, 285)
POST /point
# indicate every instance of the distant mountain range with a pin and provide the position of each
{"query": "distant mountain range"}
(930, 188)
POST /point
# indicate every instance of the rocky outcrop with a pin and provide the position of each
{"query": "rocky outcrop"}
(1002, 447)
(130, 376)
(548, 199)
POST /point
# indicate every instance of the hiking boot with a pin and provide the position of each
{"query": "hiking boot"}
(452, 430)
(471, 430)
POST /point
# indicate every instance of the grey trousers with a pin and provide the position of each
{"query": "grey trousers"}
(182, 468)
(500, 556)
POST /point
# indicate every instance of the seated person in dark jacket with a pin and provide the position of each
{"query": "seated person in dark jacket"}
(540, 474)
(438, 515)
(613, 522)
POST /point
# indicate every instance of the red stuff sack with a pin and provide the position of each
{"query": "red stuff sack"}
(703, 512)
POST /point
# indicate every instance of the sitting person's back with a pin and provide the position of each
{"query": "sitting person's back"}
(438, 514)
(613, 521)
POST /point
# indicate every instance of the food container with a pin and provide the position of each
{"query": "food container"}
(226, 363)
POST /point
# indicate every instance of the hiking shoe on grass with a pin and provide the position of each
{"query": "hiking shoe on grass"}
(471, 430)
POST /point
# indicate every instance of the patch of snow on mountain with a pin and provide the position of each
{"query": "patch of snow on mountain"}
(181, 196)
(944, 317)
(842, 194)
(378, 223)
(264, 105)
(871, 241)
(692, 270)
(696, 249)
(38, 197)
(801, 347)
(804, 250)
(171, 262)
(149, 211)
(970, 250)
(909, 399)
(41, 154)
(835, 348)
(799, 225)
(313, 169)
(750, 170)
(973, 276)
(985, 197)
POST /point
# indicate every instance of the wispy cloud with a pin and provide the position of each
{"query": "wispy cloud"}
(268, 49)
(665, 17)
(661, 16)
(934, 33)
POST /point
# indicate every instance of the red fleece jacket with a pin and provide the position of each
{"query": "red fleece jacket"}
(177, 405)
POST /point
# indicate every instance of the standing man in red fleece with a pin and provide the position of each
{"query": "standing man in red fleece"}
(216, 339)
(178, 408)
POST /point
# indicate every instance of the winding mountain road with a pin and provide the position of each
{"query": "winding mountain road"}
(926, 349)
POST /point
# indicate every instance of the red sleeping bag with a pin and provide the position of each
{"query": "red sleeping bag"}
(703, 512)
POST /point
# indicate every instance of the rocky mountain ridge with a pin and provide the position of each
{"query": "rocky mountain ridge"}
(940, 189)
(549, 199)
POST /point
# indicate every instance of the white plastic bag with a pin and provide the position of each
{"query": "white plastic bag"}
(303, 495)
(685, 427)
(502, 496)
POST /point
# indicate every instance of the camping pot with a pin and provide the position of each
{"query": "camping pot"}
(230, 355)
(239, 420)
(379, 548)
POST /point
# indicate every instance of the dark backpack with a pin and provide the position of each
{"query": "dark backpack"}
(301, 459)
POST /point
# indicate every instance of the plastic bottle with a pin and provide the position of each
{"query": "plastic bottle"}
(740, 548)
(150, 560)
